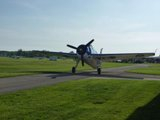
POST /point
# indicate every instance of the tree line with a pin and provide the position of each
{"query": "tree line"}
(21, 53)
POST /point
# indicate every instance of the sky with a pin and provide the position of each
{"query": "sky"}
(116, 25)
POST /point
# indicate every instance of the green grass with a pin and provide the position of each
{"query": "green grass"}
(153, 69)
(85, 100)
(13, 67)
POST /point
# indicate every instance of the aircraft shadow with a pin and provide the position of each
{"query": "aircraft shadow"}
(90, 74)
(150, 111)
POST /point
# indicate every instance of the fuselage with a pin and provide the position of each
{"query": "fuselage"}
(89, 59)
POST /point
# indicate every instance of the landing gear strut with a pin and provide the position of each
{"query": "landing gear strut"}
(99, 71)
(73, 70)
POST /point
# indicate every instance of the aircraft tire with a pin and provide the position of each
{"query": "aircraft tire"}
(99, 71)
(73, 70)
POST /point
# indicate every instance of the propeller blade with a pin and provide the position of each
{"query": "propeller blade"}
(72, 47)
(82, 60)
(89, 43)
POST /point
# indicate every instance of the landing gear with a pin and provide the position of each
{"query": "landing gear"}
(99, 71)
(99, 67)
(73, 70)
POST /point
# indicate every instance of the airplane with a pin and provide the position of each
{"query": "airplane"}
(155, 58)
(86, 54)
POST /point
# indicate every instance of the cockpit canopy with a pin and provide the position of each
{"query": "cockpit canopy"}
(90, 50)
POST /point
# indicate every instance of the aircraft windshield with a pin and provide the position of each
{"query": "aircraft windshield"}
(91, 50)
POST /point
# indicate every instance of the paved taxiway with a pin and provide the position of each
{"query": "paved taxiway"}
(27, 82)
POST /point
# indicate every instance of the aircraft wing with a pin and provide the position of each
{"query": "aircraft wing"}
(121, 56)
(69, 55)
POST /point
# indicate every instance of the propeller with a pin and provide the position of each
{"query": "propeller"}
(81, 49)
(89, 43)
(82, 60)
(72, 47)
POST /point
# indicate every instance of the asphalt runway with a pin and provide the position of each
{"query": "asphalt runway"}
(28, 82)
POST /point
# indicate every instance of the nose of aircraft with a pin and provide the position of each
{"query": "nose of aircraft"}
(81, 50)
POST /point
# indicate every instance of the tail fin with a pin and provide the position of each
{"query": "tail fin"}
(101, 50)
(157, 52)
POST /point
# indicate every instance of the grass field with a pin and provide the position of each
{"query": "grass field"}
(13, 67)
(154, 69)
(85, 100)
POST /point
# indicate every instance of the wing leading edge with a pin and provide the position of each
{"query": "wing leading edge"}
(107, 57)
(68, 55)
(121, 56)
